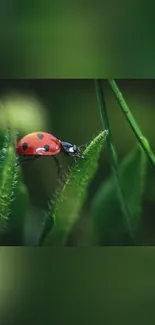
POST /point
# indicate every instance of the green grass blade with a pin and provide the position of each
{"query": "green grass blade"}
(19, 208)
(107, 219)
(112, 154)
(131, 120)
(3, 151)
(72, 196)
(8, 181)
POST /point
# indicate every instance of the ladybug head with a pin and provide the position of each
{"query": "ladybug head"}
(71, 150)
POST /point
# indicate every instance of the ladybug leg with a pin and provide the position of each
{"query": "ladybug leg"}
(28, 159)
(58, 165)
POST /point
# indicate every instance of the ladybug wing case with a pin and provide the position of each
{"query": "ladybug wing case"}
(39, 144)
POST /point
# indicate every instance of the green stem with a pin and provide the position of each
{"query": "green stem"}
(142, 140)
(112, 153)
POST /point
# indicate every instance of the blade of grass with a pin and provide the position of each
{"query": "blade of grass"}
(3, 151)
(19, 208)
(107, 226)
(8, 181)
(112, 155)
(70, 199)
(142, 140)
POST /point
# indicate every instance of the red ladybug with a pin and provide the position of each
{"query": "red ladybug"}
(38, 144)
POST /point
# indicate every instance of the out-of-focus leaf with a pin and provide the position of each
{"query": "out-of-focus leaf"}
(107, 220)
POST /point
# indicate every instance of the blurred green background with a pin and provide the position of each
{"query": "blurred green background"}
(69, 110)
(77, 40)
(77, 286)
(45, 39)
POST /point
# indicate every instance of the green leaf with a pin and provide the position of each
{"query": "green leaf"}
(19, 208)
(3, 151)
(8, 180)
(107, 220)
(72, 196)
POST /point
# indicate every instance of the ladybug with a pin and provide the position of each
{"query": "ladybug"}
(37, 144)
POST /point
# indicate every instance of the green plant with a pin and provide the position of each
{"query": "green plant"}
(116, 207)
(70, 198)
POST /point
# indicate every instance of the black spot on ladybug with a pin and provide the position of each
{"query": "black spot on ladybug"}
(46, 147)
(40, 135)
(24, 146)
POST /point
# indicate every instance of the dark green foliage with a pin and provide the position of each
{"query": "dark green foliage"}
(72, 196)
(116, 208)
(19, 208)
(108, 222)
(12, 192)
(8, 180)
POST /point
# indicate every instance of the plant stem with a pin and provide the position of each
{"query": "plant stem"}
(112, 153)
(142, 140)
